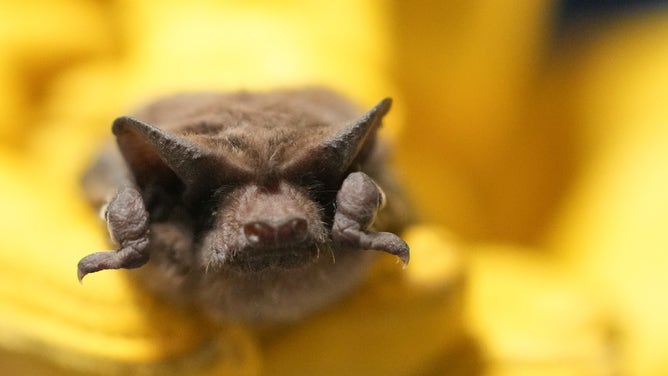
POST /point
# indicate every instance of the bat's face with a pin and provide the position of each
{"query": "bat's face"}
(262, 187)
(265, 226)
(252, 206)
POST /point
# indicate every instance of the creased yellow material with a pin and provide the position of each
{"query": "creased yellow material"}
(537, 167)
(532, 318)
(378, 330)
(105, 326)
(612, 230)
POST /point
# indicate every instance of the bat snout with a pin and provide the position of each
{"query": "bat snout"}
(273, 227)
(266, 233)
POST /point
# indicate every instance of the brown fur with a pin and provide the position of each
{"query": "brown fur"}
(233, 197)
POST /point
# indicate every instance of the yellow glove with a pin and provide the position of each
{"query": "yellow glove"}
(49, 324)
(613, 228)
(401, 322)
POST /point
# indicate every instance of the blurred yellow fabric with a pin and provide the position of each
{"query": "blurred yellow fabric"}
(537, 168)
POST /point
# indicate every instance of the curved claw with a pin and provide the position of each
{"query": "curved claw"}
(124, 258)
(387, 242)
(376, 241)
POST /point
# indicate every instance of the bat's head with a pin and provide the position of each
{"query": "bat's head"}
(257, 196)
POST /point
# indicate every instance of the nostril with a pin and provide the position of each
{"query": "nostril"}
(259, 232)
(291, 230)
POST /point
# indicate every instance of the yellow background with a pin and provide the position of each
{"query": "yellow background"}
(536, 163)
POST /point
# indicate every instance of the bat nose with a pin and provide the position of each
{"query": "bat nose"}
(285, 231)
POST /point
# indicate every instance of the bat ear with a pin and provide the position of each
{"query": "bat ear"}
(336, 154)
(155, 155)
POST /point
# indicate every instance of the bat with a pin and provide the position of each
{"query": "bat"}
(255, 207)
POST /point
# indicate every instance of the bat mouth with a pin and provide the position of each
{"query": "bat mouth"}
(251, 259)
